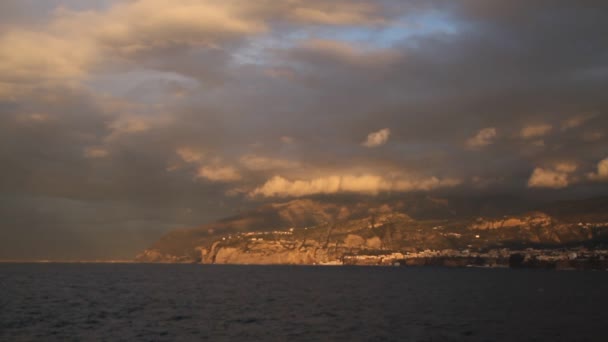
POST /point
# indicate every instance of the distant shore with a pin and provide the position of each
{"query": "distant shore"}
(43, 261)
(516, 261)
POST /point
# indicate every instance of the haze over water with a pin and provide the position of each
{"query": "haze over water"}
(114, 302)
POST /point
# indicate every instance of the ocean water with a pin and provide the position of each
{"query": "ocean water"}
(140, 302)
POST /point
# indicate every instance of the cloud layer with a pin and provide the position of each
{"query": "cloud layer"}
(148, 115)
(366, 184)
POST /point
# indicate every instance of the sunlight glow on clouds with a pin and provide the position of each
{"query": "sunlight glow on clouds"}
(76, 41)
(29, 56)
(189, 155)
(483, 138)
(577, 121)
(217, 173)
(127, 125)
(602, 171)
(555, 178)
(350, 13)
(365, 184)
(535, 131)
(378, 138)
(260, 163)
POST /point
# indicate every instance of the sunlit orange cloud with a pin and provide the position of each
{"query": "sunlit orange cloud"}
(365, 184)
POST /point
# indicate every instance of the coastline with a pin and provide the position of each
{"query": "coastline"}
(516, 261)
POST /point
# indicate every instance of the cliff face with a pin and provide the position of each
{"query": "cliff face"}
(182, 245)
(270, 253)
(308, 232)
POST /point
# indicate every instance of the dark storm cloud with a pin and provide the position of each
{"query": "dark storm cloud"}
(117, 123)
(497, 70)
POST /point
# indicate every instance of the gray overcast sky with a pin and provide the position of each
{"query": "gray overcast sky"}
(120, 120)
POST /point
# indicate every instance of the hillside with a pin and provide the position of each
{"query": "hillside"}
(315, 231)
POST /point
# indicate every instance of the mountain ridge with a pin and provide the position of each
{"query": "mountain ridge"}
(309, 231)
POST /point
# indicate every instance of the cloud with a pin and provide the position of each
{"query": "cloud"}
(260, 163)
(72, 43)
(592, 136)
(483, 138)
(138, 26)
(125, 125)
(279, 186)
(602, 171)
(223, 174)
(347, 53)
(363, 184)
(535, 131)
(557, 177)
(566, 167)
(542, 178)
(73, 40)
(189, 155)
(96, 152)
(425, 184)
(34, 118)
(336, 13)
(577, 120)
(33, 57)
(378, 138)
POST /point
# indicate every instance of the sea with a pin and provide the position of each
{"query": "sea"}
(170, 302)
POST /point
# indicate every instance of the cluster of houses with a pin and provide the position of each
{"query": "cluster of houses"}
(540, 258)
(258, 236)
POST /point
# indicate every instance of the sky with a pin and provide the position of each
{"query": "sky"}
(122, 120)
